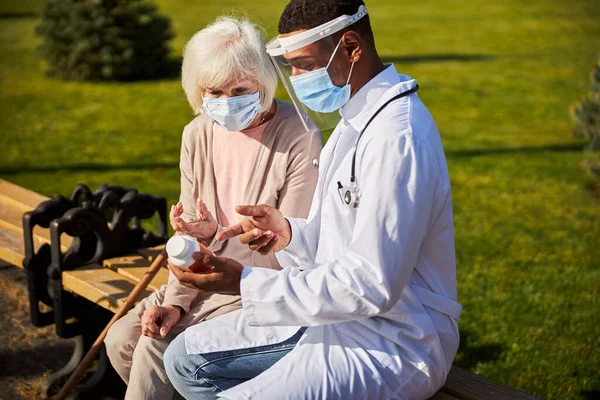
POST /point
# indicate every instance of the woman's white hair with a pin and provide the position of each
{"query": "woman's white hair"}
(227, 51)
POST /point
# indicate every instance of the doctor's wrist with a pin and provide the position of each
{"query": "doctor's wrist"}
(288, 236)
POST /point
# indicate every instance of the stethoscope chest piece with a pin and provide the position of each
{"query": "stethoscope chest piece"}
(349, 194)
(348, 197)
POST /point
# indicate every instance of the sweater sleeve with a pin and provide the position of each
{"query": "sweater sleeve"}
(176, 294)
(295, 197)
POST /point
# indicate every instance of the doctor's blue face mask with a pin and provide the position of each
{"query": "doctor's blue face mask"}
(232, 113)
(316, 90)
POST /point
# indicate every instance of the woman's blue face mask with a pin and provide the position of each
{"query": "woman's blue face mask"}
(232, 113)
(316, 90)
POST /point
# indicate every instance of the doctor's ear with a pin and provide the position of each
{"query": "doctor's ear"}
(354, 46)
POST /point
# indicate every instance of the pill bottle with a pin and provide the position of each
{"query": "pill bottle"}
(180, 249)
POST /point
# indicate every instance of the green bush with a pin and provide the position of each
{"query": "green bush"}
(586, 115)
(104, 39)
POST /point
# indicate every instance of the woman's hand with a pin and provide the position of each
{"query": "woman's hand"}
(157, 321)
(265, 230)
(203, 228)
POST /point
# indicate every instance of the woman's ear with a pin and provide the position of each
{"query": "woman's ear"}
(353, 46)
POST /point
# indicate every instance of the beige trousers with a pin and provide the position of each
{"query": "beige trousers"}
(138, 359)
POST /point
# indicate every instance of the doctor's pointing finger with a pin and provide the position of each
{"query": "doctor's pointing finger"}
(264, 229)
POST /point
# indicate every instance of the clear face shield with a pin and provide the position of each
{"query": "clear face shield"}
(318, 86)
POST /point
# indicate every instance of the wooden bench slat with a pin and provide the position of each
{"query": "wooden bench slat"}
(134, 267)
(442, 396)
(12, 249)
(100, 285)
(13, 216)
(12, 246)
(151, 252)
(465, 385)
(40, 236)
(20, 195)
(11, 212)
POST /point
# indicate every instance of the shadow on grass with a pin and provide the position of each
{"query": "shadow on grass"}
(435, 58)
(88, 167)
(20, 14)
(560, 148)
(170, 70)
(590, 394)
(469, 355)
(91, 167)
(29, 361)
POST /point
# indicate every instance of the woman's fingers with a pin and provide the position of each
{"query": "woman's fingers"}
(205, 212)
(184, 227)
(203, 206)
(153, 327)
(177, 209)
(200, 210)
(175, 214)
(170, 318)
(172, 216)
(147, 332)
(150, 320)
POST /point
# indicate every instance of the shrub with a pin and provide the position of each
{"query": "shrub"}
(586, 116)
(104, 39)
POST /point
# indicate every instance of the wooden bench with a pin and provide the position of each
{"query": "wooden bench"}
(107, 285)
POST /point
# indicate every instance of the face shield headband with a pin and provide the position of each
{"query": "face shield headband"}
(315, 107)
(282, 45)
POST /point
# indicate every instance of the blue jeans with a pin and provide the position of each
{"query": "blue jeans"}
(202, 376)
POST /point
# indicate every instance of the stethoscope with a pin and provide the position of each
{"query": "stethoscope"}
(351, 195)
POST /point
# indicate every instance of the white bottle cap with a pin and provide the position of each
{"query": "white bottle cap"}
(177, 246)
(180, 250)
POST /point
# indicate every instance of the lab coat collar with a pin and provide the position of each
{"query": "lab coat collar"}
(370, 97)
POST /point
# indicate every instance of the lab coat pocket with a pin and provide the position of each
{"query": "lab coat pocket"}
(341, 197)
(345, 202)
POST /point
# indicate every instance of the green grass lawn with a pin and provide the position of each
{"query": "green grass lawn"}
(499, 78)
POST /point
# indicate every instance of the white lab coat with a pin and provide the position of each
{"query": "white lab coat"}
(375, 285)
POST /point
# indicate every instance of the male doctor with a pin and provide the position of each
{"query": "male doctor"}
(365, 306)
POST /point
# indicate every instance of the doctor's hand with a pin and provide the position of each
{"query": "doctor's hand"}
(215, 274)
(265, 230)
(203, 228)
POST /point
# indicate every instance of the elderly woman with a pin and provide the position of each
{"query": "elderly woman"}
(243, 148)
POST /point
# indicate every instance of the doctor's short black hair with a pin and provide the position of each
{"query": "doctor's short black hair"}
(307, 14)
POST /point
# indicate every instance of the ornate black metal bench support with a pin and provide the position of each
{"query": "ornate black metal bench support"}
(103, 224)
